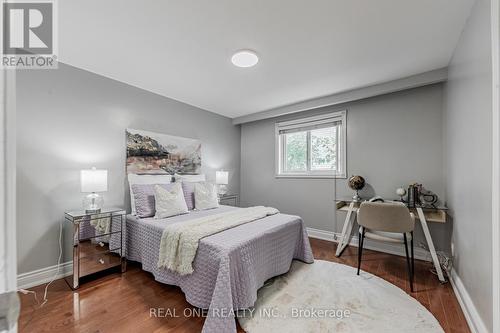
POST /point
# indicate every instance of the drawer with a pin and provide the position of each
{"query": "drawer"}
(106, 238)
(232, 201)
(89, 228)
(90, 248)
(99, 262)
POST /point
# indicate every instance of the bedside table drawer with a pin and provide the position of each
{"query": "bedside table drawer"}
(100, 227)
(99, 262)
(91, 248)
(230, 200)
(106, 238)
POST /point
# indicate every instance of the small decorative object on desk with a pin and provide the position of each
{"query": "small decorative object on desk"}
(428, 198)
(401, 192)
(413, 195)
(419, 196)
(356, 183)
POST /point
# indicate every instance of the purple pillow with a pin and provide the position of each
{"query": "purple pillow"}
(144, 197)
(188, 189)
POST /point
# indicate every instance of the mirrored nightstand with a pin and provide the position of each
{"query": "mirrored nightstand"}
(97, 242)
(230, 200)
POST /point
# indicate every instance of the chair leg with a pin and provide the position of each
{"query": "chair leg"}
(360, 247)
(408, 262)
(412, 258)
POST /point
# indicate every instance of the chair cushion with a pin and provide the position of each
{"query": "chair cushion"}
(382, 236)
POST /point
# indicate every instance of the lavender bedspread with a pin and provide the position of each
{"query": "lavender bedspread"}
(229, 266)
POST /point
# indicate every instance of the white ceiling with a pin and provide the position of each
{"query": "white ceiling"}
(182, 48)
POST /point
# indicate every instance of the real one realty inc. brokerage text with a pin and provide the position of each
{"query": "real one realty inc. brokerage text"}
(293, 312)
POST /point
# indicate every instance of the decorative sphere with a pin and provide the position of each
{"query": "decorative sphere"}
(356, 182)
(400, 191)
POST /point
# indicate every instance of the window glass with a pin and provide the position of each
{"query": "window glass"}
(324, 149)
(296, 152)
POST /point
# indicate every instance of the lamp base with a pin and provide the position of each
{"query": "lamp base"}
(222, 190)
(93, 203)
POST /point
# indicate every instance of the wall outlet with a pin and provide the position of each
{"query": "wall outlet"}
(452, 250)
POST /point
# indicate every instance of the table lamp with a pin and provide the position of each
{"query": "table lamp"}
(92, 181)
(221, 179)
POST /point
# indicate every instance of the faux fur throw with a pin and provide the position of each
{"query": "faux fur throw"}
(179, 241)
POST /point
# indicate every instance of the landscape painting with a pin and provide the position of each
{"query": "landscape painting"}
(156, 153)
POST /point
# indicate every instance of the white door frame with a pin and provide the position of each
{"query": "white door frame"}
(495, 36)
(8, 253)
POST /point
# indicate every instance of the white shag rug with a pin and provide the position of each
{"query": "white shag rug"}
(329, 297)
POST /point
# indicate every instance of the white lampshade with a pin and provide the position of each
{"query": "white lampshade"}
(221, 177)
(94, 180)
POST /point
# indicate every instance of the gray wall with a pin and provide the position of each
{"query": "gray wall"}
(468, 112)
(69, 119)
(392, 140)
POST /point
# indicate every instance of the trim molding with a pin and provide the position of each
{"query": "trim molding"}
(8, 251)
(43, 275)
(331, 236)
(414, 81)
(495, 195)
(473, 318)
(322, 234)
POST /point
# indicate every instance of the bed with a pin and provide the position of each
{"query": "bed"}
(229, 267)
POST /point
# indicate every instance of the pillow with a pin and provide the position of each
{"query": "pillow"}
(144, 195)
(189, 178)
(145, 179)
(188, 189)
(169, 202)
(205, 196)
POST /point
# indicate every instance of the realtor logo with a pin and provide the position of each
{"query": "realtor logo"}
(28, 35)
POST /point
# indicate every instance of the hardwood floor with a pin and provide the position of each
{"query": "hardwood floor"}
(438, 298)
(122, 303)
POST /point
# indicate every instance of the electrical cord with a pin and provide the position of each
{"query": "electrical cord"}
(445, 261)
(45, 299)
(26, 292)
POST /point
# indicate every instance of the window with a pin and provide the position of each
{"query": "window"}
(312, 147)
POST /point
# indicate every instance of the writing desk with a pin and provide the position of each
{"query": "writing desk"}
(423, 214)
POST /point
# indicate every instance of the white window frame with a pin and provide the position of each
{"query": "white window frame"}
(321, 119)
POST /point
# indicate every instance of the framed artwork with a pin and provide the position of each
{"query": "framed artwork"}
(156, 153)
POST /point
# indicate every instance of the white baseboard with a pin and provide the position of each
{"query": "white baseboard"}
(473, 318)
(43, 275)
(322, 234)
(395, 249)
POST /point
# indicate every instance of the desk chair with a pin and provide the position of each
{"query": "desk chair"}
(389, 222)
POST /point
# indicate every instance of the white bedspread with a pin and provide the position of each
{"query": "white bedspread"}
(179, 242)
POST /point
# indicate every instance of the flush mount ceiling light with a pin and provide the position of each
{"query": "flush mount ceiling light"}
(245, 58)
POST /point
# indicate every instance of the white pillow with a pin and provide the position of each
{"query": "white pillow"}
(169, 203)
(190, 178)
(205, 196)
(145, 179)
